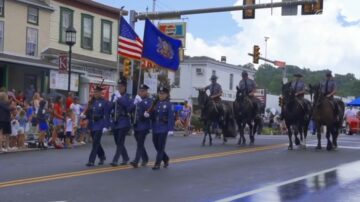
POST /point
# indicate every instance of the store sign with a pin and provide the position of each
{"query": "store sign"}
(105, 91)
(60, 81)
(63, 64)
(176, 30)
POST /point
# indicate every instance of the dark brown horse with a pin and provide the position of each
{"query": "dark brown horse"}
(211, 113)
(296, 114)
(245, 114)
(324, 114)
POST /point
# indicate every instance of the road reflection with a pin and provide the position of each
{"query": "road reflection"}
(333, 179)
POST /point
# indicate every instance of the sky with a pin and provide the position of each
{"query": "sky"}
(327, 41)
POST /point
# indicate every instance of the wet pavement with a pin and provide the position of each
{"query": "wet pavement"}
(226, 172)
(337, 184)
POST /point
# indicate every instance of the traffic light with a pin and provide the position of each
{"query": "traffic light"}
(256, 55)
(127, 68)
(281, 101)
(250, 12)
(312, 9)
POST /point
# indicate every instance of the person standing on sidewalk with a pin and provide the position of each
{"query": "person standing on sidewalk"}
(5, 125)
(98, 116)
(162, 116)
(142, 125)
(121, 108)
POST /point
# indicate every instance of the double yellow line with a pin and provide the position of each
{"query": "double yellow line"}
(112, 169)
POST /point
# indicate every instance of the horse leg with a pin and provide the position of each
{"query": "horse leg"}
(318, 128)
(210, 138)
(296, 132)
(206, 131)
(290, 147)
(335, 137)
(252, 137)
(329, 131)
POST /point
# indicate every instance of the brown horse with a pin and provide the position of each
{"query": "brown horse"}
(324, 114)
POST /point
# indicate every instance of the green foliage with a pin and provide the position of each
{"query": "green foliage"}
(270, 78)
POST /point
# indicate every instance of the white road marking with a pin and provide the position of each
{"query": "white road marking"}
(276, 185)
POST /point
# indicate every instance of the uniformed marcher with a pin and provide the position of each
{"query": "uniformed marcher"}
(121, 109)
(98, 116)
(162, 116)
(142, 125)
(248, 86)
(328, 89)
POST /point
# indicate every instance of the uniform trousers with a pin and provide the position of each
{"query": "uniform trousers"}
(140, 137)
(159, 140)
(96, 146)
(119, 138)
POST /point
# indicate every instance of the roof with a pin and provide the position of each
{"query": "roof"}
(83, 58)
(205, 59)
(37, 3)
(95, 7)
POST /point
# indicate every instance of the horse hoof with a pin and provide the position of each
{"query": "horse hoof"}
(329, 148)
(297, 141)
(203, 144)
(290, 148)
(210, 144)
(318, 147)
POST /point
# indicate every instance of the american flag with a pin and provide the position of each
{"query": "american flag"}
(129, 45)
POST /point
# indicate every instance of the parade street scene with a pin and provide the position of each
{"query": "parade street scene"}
(202, 101)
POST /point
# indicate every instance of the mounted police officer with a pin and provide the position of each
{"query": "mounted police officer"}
(298, 86)
(142, 125)
(328, 89)
(98, 116)
(121, 109)
(162, 116)
(248, 86)
(215, 95)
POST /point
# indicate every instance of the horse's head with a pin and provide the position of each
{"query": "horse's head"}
(240, 94)
(315, 92)
(287, 92)
(202, 96)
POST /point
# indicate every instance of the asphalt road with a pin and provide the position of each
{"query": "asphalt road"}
(224, 172)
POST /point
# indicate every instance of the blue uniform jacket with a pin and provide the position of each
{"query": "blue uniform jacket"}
(143, 123)
(121, 110)
(163, 117)
(98, 114)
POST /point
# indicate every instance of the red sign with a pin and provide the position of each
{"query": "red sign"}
(63, 63)
(105, 91)
(280, 64)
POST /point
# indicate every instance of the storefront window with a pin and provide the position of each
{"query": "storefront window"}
(106, 36)
(66, 19)
(1, 36)
(87, 31)
(31, 42)
(33, 15)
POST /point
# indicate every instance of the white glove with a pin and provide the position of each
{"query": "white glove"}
(171, 133)
(82, 115)
(117, 96)
(146, 114)
(105, 130)
(137, 99)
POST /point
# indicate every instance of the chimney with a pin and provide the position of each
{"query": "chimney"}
(223, 59)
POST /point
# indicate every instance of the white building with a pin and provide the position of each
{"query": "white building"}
(196, 72)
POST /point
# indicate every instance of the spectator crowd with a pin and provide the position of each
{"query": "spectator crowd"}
(35, 120)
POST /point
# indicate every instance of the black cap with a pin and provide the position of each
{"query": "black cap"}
(122, 82)
(164, 89)
(298, 75)
(213, 77)
(328, 74)
(144, 87)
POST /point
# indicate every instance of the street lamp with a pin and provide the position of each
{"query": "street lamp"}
(266, 39)
(70, 39)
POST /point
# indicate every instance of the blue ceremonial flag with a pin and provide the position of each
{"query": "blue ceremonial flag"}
(160, 48)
